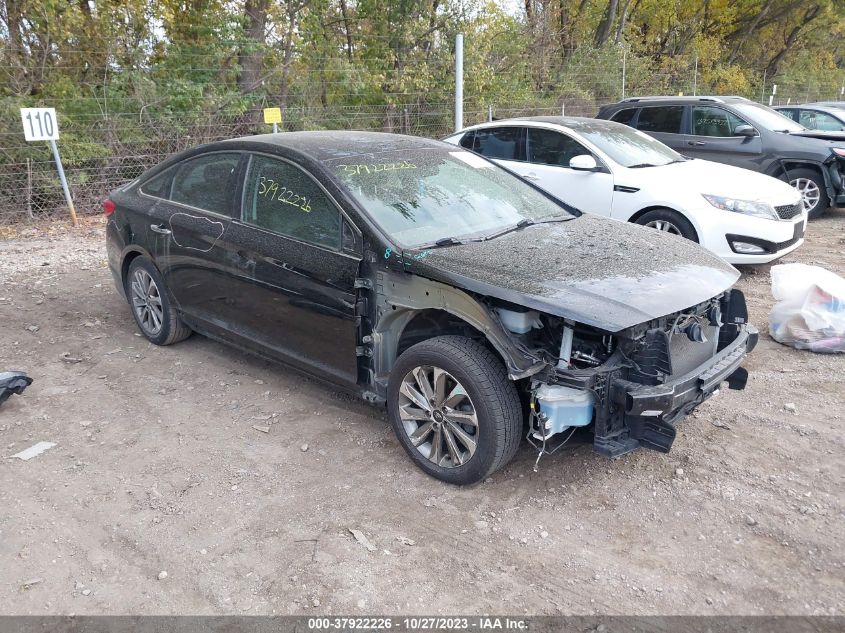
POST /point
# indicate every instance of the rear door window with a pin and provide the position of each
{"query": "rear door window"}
(207, 182)
(712, 121)
(624, 116)
(282, 198)
(467, 140)
(505, 143)
(547, 147)
(666, 119)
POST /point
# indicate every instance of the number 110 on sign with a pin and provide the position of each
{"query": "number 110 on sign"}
(39, 124)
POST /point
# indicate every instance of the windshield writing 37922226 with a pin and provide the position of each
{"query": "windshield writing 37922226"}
(268, 188)
(374, 168)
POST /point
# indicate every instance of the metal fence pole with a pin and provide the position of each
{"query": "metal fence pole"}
(490, 113)
(624, 63)
(459, 82)
(695, 78)
(29, 188)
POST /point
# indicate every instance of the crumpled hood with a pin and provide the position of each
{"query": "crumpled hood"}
(705, 176)
(600, 272)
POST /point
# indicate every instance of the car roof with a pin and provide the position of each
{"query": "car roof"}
(335, 144)
(682, 100)
(821, 107)
(574, 123)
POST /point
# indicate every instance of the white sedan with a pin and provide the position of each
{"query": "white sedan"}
(610, 169)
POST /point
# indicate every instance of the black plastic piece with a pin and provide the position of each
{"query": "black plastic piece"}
(653, 359)
(652, 433)
(738, 379)
(13, 382)
(614, 447)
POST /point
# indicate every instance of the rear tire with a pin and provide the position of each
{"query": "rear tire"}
(668, 221)
(151, 304)
(810, 184)
(454, 410)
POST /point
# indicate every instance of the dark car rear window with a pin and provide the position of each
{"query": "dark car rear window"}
(661, 119)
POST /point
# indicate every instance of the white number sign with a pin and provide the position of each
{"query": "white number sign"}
(40, 124)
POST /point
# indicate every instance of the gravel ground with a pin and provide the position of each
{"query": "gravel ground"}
(160, 496)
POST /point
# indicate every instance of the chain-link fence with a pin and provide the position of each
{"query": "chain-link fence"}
(102, 150)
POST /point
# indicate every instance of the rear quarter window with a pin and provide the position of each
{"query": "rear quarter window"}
(666, 119)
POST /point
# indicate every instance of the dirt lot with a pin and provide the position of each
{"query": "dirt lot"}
(157, 467)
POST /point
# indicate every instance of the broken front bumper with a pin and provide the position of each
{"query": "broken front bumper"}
(650, 412)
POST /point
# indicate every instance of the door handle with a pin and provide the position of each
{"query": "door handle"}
(531, 177)
(161, 229)
(697, 143)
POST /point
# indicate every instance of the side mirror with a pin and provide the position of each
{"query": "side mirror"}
(744, 130)
(583, 162)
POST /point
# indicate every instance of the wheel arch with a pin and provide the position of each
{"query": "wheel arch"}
(662, 207)
(130, 254)
(411, 309)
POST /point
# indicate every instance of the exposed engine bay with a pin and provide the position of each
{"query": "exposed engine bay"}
(593, 376)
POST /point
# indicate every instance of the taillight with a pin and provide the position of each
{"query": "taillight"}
(108, 207)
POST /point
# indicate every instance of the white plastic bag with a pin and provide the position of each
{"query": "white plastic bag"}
(810, 309)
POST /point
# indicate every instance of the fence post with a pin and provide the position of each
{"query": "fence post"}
(490, 113)
(459, 82)
(29, 189)
(695, 78)
(624, 63)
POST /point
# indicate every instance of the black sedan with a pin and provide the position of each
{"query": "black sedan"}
(427, 278)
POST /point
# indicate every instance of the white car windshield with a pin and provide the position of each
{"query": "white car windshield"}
(629, 147)
(422, 196)
(767, 118)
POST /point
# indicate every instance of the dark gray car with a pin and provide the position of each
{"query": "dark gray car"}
(739, 132)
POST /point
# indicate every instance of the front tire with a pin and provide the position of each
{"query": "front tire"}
(810, 184)
(151, 305)
(454, 410)
(668, 221)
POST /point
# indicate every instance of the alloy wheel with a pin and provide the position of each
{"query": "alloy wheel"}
(438, 416)
(146, 302)
(663, 225)
(810, 193)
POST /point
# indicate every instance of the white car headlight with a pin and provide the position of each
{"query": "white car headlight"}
(748, 207)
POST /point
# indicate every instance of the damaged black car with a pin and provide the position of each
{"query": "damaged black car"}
(427, 279)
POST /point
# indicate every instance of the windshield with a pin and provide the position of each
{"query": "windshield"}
(629, 147)
(767, 118)
(421, 196)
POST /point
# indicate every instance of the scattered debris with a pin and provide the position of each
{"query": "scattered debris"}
(359, 536)
(303, 448)
(406, 541)
(86, 592)
(66, 357)
(162, 575)
(13, 382)
(790, 406)
(679, 471)
(721, 425)
(33, 328)
(544, 534)
(259, 427)
(315, 602)
(27, 584)
(34, 450)
(750, 521)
